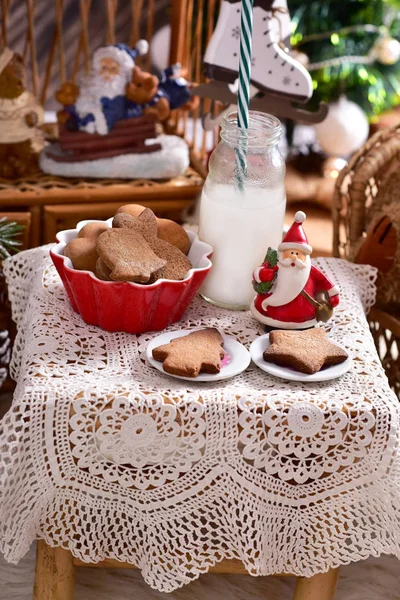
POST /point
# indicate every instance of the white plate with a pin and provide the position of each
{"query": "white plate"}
(238, 356)
(258, 347)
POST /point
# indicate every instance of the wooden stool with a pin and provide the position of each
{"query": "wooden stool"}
(55, 575)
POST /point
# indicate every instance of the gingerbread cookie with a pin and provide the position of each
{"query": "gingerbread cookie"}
(305, 351)
(168, 230)
(171, 232)
(145, 223)
(128, 255)
(192, 354)
(102, 271)
(82, 250)
(177, 264)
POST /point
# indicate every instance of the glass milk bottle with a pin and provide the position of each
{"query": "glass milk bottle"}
(241, 222)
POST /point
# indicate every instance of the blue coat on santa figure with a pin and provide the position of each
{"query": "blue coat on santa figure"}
(102, 98)
(296, 283)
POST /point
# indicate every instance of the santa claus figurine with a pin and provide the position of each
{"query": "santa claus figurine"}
(291, 292)
(100, 100)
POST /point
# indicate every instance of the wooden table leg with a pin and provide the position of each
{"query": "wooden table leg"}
(54, 575)
(320, 587)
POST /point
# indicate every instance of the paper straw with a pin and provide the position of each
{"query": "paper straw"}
(246, 32)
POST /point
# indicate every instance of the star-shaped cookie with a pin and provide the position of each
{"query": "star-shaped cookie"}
(176, 263)
(189, 355)
(305, 351)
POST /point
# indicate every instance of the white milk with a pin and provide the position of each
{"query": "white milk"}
(240, 226)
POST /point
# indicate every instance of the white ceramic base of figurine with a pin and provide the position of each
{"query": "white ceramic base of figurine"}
(172, 160)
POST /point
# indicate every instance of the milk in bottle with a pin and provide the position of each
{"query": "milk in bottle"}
(241, 222)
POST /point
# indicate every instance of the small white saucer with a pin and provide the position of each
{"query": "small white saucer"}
(236, 360)
(258, 347)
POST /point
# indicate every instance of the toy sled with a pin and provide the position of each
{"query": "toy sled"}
(128, 136)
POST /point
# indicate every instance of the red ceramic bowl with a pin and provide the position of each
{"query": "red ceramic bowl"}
(126, 306)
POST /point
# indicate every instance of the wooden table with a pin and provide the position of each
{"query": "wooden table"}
(55, 575)
(97, 382)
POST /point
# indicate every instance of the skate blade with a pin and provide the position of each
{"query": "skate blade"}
(278, 104)
(215, 90)
(217, 73)
(283, 107)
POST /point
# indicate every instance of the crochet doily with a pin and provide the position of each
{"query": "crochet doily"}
(106, 456)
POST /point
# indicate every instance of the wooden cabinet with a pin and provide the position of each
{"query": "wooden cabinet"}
(52, 204)
(66, 216)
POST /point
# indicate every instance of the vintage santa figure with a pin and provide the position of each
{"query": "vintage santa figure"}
(299, 292)
(101, 99)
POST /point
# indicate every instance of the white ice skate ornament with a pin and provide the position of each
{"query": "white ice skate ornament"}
(279, 79)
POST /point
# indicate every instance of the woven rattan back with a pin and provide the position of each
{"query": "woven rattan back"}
(359, 193)
(195, 26)
(357, 188)
(58, 37)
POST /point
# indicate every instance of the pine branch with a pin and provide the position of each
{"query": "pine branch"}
(271, 257)
(9, 230)
(262, 288)
(4, 348)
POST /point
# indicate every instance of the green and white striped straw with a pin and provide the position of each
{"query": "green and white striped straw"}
(246, 33)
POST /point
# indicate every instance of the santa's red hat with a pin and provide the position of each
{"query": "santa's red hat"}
(295, 238)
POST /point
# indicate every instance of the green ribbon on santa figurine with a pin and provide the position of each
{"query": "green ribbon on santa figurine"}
(291, 293)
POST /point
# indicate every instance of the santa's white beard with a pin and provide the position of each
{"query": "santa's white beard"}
(93, 87)
(289, 281)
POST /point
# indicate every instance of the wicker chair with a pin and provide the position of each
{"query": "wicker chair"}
(357, 193)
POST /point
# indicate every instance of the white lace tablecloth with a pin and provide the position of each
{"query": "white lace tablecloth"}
(106, 456)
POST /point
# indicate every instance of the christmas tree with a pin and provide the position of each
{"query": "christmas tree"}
(351, 49)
